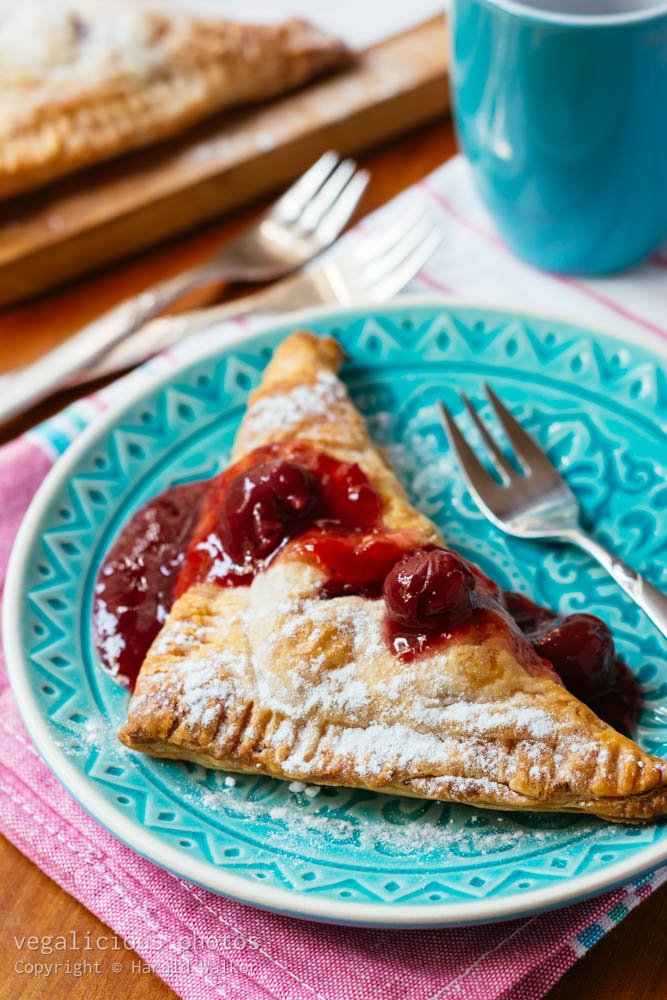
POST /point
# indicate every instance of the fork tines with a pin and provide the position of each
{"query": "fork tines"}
(388, 260)
(528, 455)
(324, 198)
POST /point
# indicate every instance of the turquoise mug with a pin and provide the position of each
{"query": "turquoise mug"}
(561, 108)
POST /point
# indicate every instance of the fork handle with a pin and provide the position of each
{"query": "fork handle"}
(56, 369)
(651, 600)
(166, 331)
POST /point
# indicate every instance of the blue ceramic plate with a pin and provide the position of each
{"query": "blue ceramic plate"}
(600, 409)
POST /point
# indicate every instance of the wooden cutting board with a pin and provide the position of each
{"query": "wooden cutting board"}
(112, 210)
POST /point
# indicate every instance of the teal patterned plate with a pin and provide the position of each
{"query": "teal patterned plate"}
(599, 406)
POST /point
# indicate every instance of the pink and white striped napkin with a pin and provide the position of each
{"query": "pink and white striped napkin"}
(206, 946)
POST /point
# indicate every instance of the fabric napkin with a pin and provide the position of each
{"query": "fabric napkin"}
(206, 946)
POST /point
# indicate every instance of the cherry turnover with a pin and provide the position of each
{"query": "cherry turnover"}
(288, 495)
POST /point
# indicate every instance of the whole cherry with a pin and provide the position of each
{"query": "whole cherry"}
(264, 505)
(430, 589)
(581, 649)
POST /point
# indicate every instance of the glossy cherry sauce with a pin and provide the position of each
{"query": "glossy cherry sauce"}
(135, 586)
(288, 496)
(433, 594)
(225, 530)
(581, 649)
(261, 497)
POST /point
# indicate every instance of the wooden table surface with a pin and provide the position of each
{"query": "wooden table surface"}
(629, 963)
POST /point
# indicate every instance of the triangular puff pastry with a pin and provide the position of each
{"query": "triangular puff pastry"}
(85, 80)
(276, 678)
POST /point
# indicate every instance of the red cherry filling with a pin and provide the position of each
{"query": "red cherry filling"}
(345, 494)
(134, 589)
(355, 562)
(621, 706)
(329, 511)
(263, 506)
(581, 649)
(430, 589)
(528, 615)
(276, 493)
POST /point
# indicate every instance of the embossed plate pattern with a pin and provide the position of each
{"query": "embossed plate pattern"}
(599, 407)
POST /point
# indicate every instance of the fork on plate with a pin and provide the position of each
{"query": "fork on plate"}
(378, 268)
(305, 220)
(536, 502)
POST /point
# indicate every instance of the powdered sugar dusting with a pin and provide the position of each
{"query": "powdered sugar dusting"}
(110, 639)
(329, 698)
(389, 826)
(332, 699)
(286, 411)
(180, 635)
(484, 717)
(79, 42)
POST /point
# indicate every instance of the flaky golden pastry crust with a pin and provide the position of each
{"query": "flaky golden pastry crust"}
(270, 678)
(82, 82)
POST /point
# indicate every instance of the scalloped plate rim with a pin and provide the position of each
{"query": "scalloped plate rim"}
(206, 874)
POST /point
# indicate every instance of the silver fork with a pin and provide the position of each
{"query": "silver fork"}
(304, 221)
(377, 269)
(537, 503)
